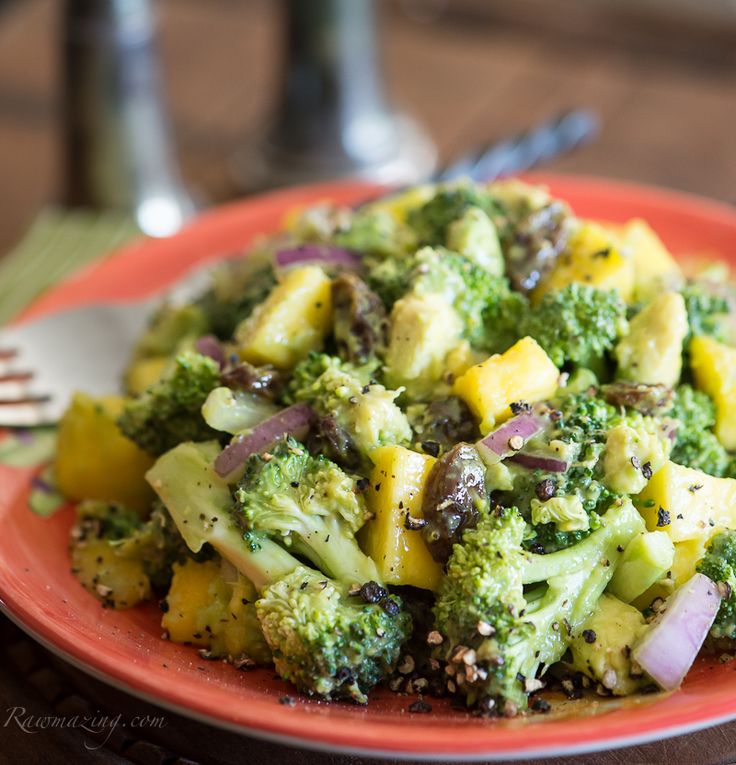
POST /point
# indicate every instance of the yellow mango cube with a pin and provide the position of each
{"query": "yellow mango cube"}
(292, 321)
(397, 488)
(591, 257)
(143, 373)
(686, 503)
(522, 373)
(714, 369)
(197, 598)
(94, 460)
(117, 581)
(399, 205)
(655, 270)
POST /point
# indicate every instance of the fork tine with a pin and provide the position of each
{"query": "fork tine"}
(16, 377)
(25, 400)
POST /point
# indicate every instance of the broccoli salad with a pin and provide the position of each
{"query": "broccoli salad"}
(456, 441)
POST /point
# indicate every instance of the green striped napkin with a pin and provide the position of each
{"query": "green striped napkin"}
(58, 243)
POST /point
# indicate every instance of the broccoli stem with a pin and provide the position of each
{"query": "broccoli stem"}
(618, 526)
(199, 502)
(337, 555)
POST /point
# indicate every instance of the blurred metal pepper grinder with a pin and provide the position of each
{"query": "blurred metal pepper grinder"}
(333, 119)
(118, 151)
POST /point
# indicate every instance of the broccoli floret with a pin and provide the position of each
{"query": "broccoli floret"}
(169, 412)
(585, 417)
(501, 633)
(119, 557)
(169, 327)
(374, 232)
(327, 643)
(489, 310)
(582, 424)
(309, 505)
(705, 311)
(696, 444)
(577, 324)
(719, 564)
(347, 398)
(432, 220)
(472, 291)
(238, 287)
(325, 640)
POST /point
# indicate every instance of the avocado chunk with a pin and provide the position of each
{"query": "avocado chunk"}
(475, 236)
(633, 454)
(424, 328)
(646, 559)
(601, 649)
(652, 351)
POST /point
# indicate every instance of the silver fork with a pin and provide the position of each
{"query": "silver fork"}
(43, 361)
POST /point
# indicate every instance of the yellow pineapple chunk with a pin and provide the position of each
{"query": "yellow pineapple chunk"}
(292, 321)
(714, 369)
(143, 373)
(592, 257)
(655, 270)
(397, 488)
(398, 206)
(119, 582)
(522, 373)
(205, 610)
(95, 460)
(687, 503)
(198, 599)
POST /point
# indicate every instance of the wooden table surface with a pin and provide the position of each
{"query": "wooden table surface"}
(470, 71)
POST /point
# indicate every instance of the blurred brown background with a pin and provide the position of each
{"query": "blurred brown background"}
(664, 84)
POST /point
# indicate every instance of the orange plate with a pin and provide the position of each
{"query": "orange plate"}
(125, 648)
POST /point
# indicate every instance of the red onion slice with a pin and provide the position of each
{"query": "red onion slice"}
(209, 345)
(672, 642)
(318, 253)
(540, 462)
(294, 421)
(507, 439)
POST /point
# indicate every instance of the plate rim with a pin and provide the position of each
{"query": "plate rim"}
(699, 206)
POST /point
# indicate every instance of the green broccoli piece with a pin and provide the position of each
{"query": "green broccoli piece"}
(324, 639)
(705, 311)
(719, 564)
(432, 220)
(582, 424)
(696, 445)
(238, 287)
(585, 417)
(578, 324)
(328, 643)
(350, 402)
(309, 505)
(507, 614)
(374, 232)
(169, 412)
(119, 557)
(472, 291)
(169, 328)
